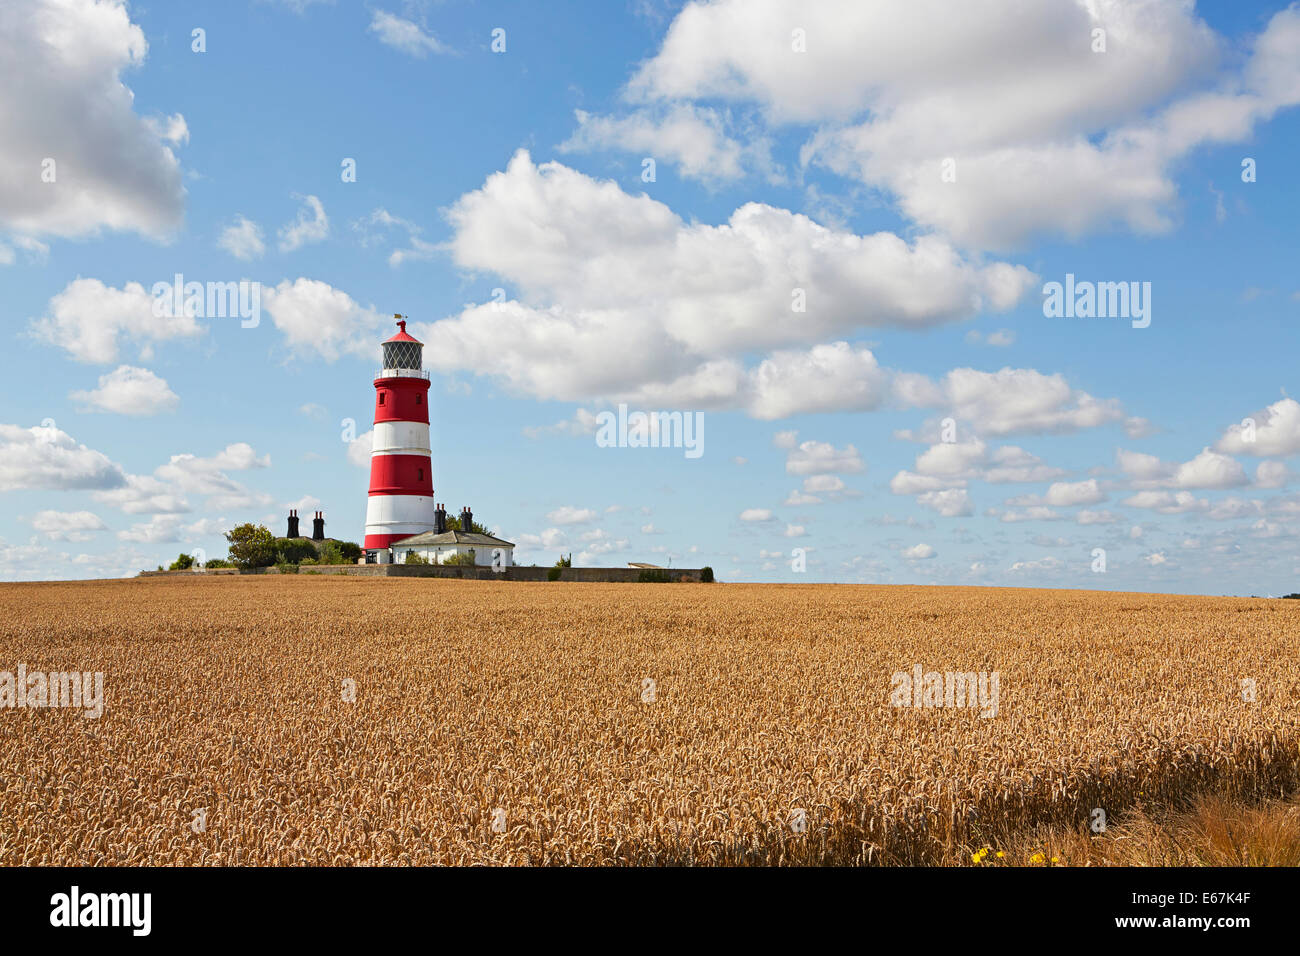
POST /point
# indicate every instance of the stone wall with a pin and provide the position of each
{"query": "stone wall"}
(483, 573)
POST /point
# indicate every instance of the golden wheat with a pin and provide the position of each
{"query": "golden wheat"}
(767, 735)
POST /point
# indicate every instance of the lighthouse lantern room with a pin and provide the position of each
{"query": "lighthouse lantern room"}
(400, 503)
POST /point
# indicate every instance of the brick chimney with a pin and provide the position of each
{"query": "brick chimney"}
(466, 520)
(439, 519)
(293, 525)
(318, 527)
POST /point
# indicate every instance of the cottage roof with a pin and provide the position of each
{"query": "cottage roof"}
(431, 538)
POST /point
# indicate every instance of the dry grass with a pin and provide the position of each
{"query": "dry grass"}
(224, 694)
(1215, 831)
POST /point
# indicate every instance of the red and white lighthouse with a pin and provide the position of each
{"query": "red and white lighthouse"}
(401, 473)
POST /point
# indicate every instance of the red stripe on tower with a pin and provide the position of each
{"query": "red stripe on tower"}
(401, 470)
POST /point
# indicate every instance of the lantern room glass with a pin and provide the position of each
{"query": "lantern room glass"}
(402, 355)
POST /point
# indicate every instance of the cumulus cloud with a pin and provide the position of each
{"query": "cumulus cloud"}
(68, 525)
(689, 136)
(311, 225)
(919, 552)
(1009, 401)
(243, 239)
(1275, 432)
(1044, 135)
(318, 319)
(129, 391)
(591, 321)
(1208, 470)
(951, 503)
(822, 458)
(164, 492)
(360, 448)
(404, 35)
(113, 169)
(90, 321)
(571, 515)
(756, 514)
(46, 458)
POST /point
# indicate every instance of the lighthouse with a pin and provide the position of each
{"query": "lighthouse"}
(401, 474)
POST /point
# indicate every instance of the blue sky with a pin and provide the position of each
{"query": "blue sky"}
(918, 173)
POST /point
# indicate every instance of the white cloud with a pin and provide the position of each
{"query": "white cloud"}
(691, 137)
(311, 225)
(1271, 474)
(794, 531)
(798, 498)
(47, 459)
(404, 35)
(1208, 470)
(1066, 494)
(820, 458)
(1167, 502)
(951, 503)
(243, 239)
(571, 515)
(113, 168)
(548, 540)
(1276, 432)
(919, 552)
(360, 448)
(317, 318)
(1045, 134)
(756, 514)
(89, 319)
(164, 491)
(129, 391)
(68, 525)
(591, 321)
(1002, 338)
(159, 529)
(1008, 401)
(1087, 516)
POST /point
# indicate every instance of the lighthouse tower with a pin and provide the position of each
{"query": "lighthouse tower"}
(401, 475)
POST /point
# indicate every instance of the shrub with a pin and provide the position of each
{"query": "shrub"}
(565, 562)
(413, 558)
(553, 574)
(331, 553)
(294, 550)
(459, 560)
(706, 575)
(286, 567)
(183, 562)
(217, 563)
(350, 550)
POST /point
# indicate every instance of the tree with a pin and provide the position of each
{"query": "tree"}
(565, 562)
(453, 524)
(706, 575)
(251, 546)
(183, 562)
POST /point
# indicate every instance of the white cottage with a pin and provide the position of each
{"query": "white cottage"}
(435, 547)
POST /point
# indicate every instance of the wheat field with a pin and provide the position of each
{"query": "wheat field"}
(302, 720)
